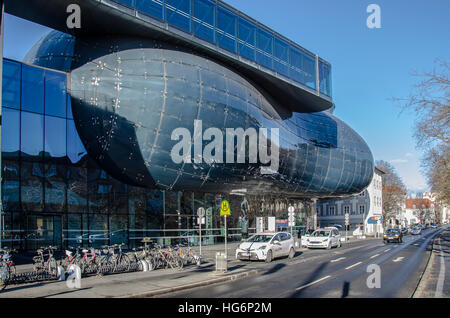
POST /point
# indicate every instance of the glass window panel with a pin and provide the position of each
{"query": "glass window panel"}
(179, 13)
(309, 67)
(325, 78)
(74, 231)
(32, 134)
(226, 23)
(32, 89)
(118, 225)
(98, 230)
(153, 7)
(129, 3)
(55, 94)
(10, 185)
(77, 189)
(247, 35)
(265, 40)
(281, 50)
(31, 186)
(55, 188)
(75, 148)
(11, 84)
(55, 137)
(10, 132)
(295, 57)
(265, 43)
(204, 19)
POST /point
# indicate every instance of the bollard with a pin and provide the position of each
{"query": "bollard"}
(221, 262)
(144, 266)
(74, 276)
(61, 273)
(150, 265)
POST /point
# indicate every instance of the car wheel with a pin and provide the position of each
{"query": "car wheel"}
(339, 243)
(269, 256)
(291, 253)
(329, 246)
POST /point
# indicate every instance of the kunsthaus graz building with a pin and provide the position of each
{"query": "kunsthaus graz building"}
(122, 128)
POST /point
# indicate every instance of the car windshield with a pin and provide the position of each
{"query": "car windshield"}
(260, 238)
(392, 231)
(321, 233)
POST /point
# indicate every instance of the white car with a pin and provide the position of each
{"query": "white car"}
(324, 238)
(305, 236)
(266, 247)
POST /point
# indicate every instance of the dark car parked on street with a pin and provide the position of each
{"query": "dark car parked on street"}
(393, 235)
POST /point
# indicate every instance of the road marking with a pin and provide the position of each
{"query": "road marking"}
(398, 259)
(337, 260)
(387, 250)
(441, 278)
(373, 256)
(315, 282)
(356, 264)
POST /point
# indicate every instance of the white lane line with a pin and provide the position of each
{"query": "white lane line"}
(398, 259)
(337, 259)
(314, 282)
(387, 250)
(373, 256)
(441, 277)
(356, 264)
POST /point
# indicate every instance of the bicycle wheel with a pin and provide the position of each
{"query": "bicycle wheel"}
(4, 276)
(12, 270)
(123, 263)
(93, 265)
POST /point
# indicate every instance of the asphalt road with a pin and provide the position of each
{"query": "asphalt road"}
(339, 272)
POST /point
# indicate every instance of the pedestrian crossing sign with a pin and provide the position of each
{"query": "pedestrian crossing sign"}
(225, 208)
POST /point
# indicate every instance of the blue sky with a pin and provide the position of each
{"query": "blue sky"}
(369, 65)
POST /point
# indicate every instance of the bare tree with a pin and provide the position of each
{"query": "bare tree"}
(393, 192)
(430, 101)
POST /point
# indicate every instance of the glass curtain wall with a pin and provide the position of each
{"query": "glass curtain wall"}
(54, 194)
(215, 23)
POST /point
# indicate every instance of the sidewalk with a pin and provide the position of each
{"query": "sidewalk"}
(432, 284)
(138, 284)
(146, 284)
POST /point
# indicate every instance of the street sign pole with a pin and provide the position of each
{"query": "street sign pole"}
(226, 234)
(200, 236)
(347, 223)
(225, 210)
(200, 214)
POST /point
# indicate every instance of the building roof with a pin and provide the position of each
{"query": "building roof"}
(418, 203)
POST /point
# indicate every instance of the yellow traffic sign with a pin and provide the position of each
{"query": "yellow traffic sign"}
(225, 208)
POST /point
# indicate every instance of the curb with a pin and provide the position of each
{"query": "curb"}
(419, 291)
(193, 285)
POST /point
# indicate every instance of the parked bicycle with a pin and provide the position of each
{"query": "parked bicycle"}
(7, 267)
(89, 263)
(46, 261)
(112, 261)
(72, 258)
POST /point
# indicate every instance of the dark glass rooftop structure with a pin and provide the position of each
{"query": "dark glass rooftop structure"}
(299, 78)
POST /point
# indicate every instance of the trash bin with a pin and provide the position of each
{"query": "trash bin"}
(221, 262)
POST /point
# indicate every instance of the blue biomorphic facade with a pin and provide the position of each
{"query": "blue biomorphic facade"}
(110, 105)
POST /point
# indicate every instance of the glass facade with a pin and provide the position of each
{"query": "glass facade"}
(55, 193)
(217, 23)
